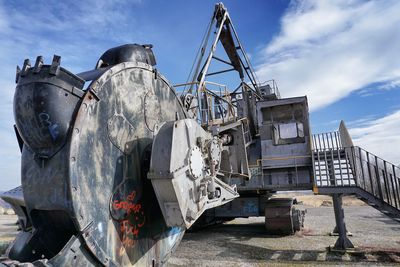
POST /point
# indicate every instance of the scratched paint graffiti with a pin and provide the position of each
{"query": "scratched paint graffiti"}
(47, 125)
(134, 219)
(129, 206)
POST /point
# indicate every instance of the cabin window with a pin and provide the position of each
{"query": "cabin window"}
(288, 130)
(288, 133)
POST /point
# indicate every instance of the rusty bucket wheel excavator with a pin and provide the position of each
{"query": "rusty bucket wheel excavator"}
(85, 158)
(114, 170)
(117, 164)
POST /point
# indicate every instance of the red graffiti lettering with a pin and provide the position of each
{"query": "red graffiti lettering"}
(131, 196)
(125, 205)
(128, 242)
(129, 230)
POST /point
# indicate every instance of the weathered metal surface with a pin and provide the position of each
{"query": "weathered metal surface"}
(95, 146)
(234, 158)
(281, 217)
(136, 232)
(39, 95)
(281, 158)
(183, 171)
(94, 149)
(342, 243)
(127, 53)
(242, 207)
(357, 171)
(16, 199)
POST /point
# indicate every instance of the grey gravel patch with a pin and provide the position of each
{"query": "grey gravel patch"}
(8, 231)
(244, 242)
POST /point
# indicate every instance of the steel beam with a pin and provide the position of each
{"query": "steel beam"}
(342, 243)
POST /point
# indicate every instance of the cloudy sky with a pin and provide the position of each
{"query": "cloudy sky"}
(344, 55)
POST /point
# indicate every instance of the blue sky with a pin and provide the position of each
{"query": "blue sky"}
(344, 55)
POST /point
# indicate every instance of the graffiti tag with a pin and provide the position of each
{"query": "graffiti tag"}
(130, 228)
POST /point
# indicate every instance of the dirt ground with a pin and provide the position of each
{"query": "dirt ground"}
(8, 230)
(244, 242)
(325, 201)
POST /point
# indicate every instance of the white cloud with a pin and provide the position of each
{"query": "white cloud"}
(380, 136)
(79, 32)
(380, 88)
(327, 49)
(390, 85)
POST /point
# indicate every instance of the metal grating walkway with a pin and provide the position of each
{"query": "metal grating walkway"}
(353, 170)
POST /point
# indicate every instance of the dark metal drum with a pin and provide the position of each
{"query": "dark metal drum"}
(85, 160)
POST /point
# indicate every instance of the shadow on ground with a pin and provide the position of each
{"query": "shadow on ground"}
(231, 244)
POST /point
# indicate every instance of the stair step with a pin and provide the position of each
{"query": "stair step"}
(337, 164)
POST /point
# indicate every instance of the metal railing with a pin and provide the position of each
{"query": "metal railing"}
(270, 87)
(214, 103)
(354, 166)
(376, 176)
(326, 141)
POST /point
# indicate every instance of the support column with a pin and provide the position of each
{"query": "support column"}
(342, 243)
(335, 231)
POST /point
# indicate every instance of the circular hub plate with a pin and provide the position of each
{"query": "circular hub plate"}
(196, 162)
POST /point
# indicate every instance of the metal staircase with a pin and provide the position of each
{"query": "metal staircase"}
(353, 170)
(342, 168)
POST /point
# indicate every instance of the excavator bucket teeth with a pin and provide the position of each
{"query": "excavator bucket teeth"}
(88, 153)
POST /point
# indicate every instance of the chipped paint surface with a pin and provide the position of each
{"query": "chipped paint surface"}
(112, 151)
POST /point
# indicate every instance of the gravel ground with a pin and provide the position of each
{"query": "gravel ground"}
(8, 231)
(243, 242)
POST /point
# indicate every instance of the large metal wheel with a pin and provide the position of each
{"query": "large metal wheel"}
(85, 161)
(114, 202)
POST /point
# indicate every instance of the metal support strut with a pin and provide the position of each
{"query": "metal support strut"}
(342, 243)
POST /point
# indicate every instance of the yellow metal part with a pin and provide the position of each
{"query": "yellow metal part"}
(315, 190)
